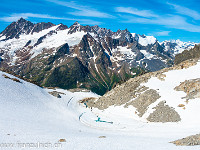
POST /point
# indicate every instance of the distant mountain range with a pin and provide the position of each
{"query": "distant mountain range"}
(82, 56)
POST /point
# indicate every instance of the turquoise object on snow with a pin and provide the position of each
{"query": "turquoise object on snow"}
(99, 120)
(85, 104)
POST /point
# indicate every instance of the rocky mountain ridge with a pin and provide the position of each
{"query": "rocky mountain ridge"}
(176, 46)
(78, 56)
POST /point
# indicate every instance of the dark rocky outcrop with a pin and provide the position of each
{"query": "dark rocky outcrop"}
(191, 88)
(15, 29)
(188, 141)
(188, 54)
(22, 26)
(55, 93)
(164, 113)
(143, 101)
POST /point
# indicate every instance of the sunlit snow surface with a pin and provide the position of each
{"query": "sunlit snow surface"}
(29, 114)
(144, 41)
(147, 55)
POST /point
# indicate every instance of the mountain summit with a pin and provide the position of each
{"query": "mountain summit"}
(79, 56)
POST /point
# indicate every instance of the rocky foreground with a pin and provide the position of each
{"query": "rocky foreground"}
(188, 141)
(141, 97)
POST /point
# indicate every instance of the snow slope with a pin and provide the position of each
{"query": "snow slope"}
(147, 55)
(173, 98)
(125, 52)
(144, 41)
(29, 114)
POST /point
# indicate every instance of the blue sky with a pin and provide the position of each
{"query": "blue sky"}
(164, 19)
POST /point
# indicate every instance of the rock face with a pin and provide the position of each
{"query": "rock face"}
(88, 57)
(144, 100)
(133, 93)
(188, 54)
(191, 88)
(188, 141)
(55, 93)
(122, 94)
(22, 26)
(164, 113)
(148, 103)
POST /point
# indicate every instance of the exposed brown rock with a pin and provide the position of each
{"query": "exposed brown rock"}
(102, 136)
(144, 100)
(127, 91)
(191, 88)
(62, 140)
(181, 105)
(14, 79)
(79, 90)
(122, 94)
(56, 94)
(89, 101)
(188, 141)
(188, 54)
(164, 113)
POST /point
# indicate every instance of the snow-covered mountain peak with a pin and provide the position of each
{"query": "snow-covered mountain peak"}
(21, 20)
(51, 37)
(22, 26)
(177, 46)
(76, 23)
(100, 60)
(48, 47)
(144, 40)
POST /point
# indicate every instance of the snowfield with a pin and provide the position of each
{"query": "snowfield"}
(29, 115)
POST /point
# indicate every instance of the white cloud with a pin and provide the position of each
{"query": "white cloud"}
(90, 13)
(162, 33)
(186, 11)
(135, 11)
(10, 18)
(16, 16)
(82, 10)
(169, 21)
(88, 22)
